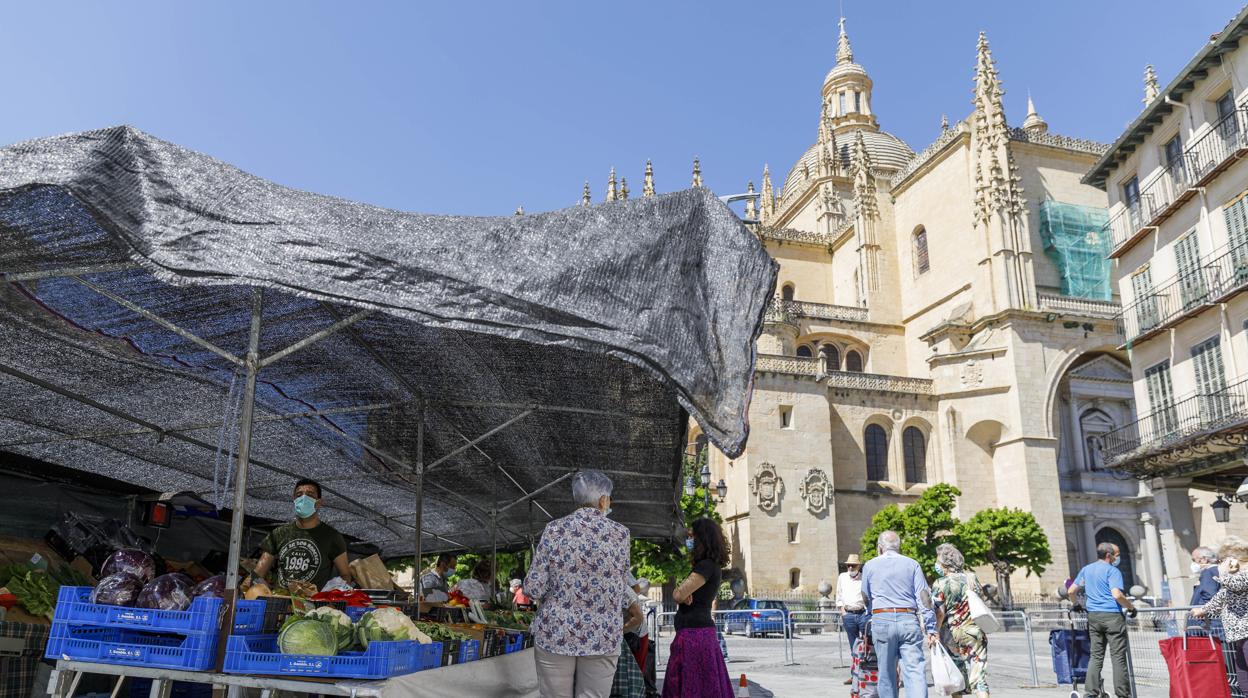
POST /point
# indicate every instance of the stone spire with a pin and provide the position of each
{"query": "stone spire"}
(751, 208)
(520, 210)
(864, 181)
(585, 194)
(1034, 125)
(623, 188)
(828, 160)
(844, 54)
(767, 207)
(647, 184)
(1151, 90)
(612, 192)
(944, 122)
(697, 173)
(996, 178)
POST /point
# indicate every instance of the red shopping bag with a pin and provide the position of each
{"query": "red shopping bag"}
(1196, 669)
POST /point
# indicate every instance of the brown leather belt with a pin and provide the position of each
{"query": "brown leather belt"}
(892, 610)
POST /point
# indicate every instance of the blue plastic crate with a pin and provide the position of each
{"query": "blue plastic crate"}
(469, 651)
(514, 643)
(257, 654)
(195, 651)
(355, 613)
(74, 607)
(260, 616)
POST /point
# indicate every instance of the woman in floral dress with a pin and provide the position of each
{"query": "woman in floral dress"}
(967, 644)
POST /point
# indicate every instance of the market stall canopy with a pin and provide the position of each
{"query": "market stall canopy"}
(533, 345)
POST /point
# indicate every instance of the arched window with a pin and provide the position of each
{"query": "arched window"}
(915, 451)
(876, 445)
(831, 357)
(786, 292)
(805, 352)
(921, 263)
(853, 361)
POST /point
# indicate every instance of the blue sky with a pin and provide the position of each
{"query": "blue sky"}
(475, 108)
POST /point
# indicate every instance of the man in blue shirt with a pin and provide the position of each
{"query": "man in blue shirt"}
(1102, 582)
(896, 595)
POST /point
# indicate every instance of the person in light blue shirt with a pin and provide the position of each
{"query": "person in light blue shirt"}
(896, 596)
(1102, 583)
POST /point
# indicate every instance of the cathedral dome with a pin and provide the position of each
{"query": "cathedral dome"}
(888, 153)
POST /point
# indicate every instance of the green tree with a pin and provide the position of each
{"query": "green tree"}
(663, 562)
(922, 525)
(1008, 539)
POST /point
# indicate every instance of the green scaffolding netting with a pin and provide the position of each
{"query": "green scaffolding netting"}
(1074, 237)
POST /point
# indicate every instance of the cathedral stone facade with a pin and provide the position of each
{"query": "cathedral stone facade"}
(941, 316)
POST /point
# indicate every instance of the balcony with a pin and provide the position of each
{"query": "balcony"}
(842, 380)
(780, 310)
(1193, 427)
(1162, 194)
(1086, 307)
(1218, 278)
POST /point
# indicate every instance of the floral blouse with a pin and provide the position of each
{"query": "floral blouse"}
(1231, 603)
(579, 578)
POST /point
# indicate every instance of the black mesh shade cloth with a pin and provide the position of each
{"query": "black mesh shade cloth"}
(504, 353)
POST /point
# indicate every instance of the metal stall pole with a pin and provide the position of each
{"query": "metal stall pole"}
(1031, 649)
(420, 498)
(251, 365)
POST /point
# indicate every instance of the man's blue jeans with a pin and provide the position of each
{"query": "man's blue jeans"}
(897, 636)
(853, 623)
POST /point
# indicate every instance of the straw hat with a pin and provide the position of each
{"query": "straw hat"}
(853, 559)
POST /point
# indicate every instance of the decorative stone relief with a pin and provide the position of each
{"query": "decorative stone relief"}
(972, 374)
(767, 486)
(816, 490)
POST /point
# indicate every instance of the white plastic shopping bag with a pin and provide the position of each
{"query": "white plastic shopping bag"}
(945, 673)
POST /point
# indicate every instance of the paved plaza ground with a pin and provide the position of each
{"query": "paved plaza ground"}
(822, 665)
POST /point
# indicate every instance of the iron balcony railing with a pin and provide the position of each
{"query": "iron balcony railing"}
(1219, 277)
(1174, 183)
(1177, 421)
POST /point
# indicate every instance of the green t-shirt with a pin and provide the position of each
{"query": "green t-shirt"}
(304, 554)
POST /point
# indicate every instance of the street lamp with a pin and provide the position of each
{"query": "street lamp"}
(722, 490)
(1221, 510)
(706, 483)
(690, 488)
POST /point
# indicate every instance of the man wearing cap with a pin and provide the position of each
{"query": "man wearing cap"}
(849, 600)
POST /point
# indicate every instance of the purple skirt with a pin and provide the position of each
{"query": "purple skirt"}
(695, 666)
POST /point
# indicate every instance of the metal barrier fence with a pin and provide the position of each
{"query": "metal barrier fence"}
(1020, 651)
(765, 620)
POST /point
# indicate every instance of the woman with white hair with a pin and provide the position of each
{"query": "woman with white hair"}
(966, 642)
(1230, 604)
(578, 579)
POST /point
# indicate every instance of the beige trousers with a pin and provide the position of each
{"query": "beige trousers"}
(562, 676)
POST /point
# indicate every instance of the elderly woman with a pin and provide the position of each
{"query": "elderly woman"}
(967, 644)
(1230, 603)
(578, 579)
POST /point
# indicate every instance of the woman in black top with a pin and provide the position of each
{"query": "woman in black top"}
(695, 665)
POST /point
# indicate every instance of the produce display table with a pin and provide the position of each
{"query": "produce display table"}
(506, 676)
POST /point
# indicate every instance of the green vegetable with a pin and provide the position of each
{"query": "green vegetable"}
(441, 633)
(387, 624)
(307, 636)
(35, 592)
(338, 621)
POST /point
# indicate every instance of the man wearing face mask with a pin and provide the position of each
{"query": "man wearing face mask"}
(1102, 582)
(849, 600)
(306, 549)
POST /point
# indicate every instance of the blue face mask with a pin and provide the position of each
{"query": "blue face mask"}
(305, 506)
(689, 544)
(1116, 561)
(939, 572)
